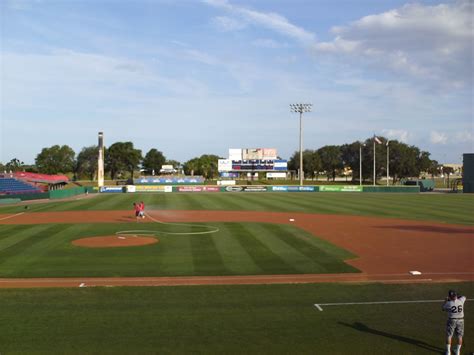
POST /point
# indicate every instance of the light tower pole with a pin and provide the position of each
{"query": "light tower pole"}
(301, 108)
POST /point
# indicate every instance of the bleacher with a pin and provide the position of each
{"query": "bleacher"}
(11, 186)
(41, 178)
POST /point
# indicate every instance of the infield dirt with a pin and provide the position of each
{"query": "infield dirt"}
(387, 249)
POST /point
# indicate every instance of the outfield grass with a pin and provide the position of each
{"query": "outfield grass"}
(235, 249)
(265, 319)
(446, 208)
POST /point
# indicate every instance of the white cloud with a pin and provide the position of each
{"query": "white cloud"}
(428, 42)
(268, 43)
(464, 137)
(201, 57)
(438, 137)
(398, 134)
(226, 24)
(76, 78)
(269, 20)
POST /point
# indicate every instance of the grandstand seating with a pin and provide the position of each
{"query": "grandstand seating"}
(41, 178)
(10, 186)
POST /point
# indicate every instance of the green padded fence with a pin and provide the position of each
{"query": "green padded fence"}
(395, 189)
(25, 197)
(5, 201)
(56, 194)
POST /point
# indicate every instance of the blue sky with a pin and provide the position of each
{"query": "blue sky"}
(192, 77)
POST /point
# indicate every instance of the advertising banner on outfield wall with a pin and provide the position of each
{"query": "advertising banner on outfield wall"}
(294, 188)
(197, 189)
(245, 189)
(131, 188)
(340, 188)
(113, 189)
(153, 188)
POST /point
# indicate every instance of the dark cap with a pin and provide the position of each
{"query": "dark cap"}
(452, 294)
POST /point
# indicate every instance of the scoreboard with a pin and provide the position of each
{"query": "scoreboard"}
(252, 165)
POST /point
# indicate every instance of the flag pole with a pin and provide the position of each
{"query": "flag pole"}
(360, 164)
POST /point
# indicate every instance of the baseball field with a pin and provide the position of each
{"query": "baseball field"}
(244, 273)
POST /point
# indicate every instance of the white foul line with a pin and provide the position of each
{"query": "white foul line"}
(319, 305)
(18, 214)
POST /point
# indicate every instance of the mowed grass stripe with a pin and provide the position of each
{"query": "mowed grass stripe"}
(301, 202)
(206, 257)
(220, 202)
(234, 256)
(175, 256)
(418, 209)
(7, 231)
(270, 236)
(262, 255)
(325, 255)
(21, 239)
(114, 201)
(17, 256)
(51, 239)
(17, 233)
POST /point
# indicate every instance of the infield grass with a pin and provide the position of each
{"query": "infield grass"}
(445, 208)
(263, 319)
(235, 249)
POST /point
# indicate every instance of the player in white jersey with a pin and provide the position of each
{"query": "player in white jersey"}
(454, 305)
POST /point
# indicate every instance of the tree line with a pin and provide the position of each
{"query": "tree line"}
(123, 160)
(332, 160)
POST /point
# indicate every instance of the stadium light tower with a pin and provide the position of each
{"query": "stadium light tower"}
(301, 108)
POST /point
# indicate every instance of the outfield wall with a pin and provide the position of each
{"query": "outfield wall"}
(27, 197)
(57, 194)
(66, 193)
(53, 195)
(262, 188)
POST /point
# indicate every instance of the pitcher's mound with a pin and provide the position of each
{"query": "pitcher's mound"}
(114, 241)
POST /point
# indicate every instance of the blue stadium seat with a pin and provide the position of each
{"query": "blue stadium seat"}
(12, 186)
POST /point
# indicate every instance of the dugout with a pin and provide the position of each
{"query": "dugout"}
(468, 173)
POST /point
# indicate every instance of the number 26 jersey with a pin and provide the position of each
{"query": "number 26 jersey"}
(455, 308)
